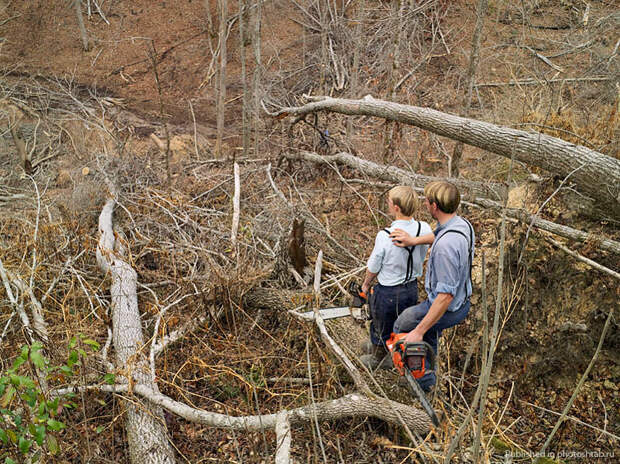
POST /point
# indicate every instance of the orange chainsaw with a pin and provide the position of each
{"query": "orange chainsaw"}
(410, 361)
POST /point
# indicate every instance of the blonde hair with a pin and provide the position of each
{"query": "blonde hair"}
(404, 197)
(444, 194)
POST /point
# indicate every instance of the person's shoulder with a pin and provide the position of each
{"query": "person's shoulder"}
(450, 239)
(383, 235)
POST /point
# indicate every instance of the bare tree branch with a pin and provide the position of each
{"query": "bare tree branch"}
(600, 177)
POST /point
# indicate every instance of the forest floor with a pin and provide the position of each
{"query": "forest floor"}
(94, 112)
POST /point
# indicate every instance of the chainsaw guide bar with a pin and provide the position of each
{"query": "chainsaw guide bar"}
(333, 313)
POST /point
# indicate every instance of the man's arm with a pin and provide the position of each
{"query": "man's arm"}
(437, 309)
(368, 278)
(403, 239)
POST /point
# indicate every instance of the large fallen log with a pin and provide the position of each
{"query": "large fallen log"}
(351, 405)
(147, 435)
(394, 174)
(594, 173)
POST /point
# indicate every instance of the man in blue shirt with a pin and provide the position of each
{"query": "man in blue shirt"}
(448, 272)
(396, 270)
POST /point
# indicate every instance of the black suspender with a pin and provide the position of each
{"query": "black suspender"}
(409, 272)
(470, 243)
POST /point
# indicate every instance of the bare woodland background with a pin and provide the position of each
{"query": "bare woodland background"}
(154, 156)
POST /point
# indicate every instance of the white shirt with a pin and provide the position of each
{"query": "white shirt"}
(389, 261)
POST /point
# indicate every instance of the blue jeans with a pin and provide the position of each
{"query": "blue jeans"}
(411, 317)
(386, 305)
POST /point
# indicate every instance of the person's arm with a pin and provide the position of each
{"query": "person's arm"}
(403, 239)
(375, 262)
(446, 273)
(437, 309)
(368, 278)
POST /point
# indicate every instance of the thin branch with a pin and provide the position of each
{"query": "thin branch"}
(544, 82)
(583, 259)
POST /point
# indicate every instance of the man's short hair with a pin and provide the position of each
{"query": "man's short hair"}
(404, 197)
(444, 194)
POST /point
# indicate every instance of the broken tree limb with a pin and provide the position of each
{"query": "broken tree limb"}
(19, 307)
(583, 259)
(397, 175)
(236, 207)
(352, 405)
(543, 82)
(597, 241)
(283, 437)
(544, 59)
(599, 178)
(147, 436)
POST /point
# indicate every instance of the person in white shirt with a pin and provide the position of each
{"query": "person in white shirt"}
(396, 270)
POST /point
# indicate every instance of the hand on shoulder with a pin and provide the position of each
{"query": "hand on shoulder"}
(401, 238)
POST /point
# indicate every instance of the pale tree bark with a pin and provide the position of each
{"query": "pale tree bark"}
(598, 175)
(221, 87)
(351, 405)
(283, 435)
(77, 4)
(594, 240)
(397, 175)
(147, 435)
(256, 44)
(236, 207)
(481, 12)
(244, 79)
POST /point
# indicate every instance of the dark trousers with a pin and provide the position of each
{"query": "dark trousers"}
(386, 304)
(411, 317)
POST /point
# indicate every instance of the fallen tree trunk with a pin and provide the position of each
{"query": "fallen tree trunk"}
(352, 405)
(147, 435)
(270, 298)
(595, 174)
(394, 174)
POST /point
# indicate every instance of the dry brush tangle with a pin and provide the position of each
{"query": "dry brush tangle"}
(595, 174)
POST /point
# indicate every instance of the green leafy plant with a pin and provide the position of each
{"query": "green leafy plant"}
(29, 418)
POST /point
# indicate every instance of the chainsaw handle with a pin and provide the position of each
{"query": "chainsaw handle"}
(431, 353)
(429, 349)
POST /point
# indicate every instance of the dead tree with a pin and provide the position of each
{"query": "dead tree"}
(147, 435)
(595, 174)
(221, 88)
(77, 4)
(481, 12)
